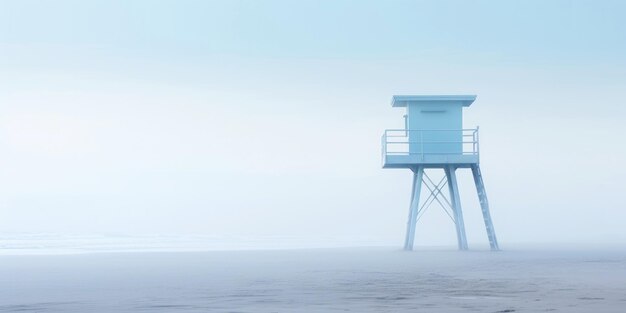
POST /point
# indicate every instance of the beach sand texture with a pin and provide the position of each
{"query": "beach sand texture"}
(316, 280)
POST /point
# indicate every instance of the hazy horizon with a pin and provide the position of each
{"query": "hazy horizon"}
(263, 119)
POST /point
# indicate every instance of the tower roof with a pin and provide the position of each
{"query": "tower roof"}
(404, 100)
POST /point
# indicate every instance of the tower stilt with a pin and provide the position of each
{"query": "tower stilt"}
(484, 205)
(418, 173)
(456, 207)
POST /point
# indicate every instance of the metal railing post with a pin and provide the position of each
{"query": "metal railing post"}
(477, 145)
(422, 143)
(384, 146)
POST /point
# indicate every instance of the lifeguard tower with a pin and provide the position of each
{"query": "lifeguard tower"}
(434, 138)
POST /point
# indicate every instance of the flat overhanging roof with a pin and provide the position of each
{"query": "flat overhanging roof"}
(404, 100)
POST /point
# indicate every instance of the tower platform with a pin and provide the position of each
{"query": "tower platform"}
(430, 148)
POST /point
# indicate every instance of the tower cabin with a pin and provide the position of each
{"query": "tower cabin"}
(433, 135)
(434, 138)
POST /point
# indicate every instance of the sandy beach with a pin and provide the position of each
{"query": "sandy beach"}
(316, 280)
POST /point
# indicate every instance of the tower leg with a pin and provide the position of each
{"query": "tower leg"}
(456, 207)
(484, 205)
(413, 210)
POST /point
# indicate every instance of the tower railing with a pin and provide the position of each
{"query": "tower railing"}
(423, 142)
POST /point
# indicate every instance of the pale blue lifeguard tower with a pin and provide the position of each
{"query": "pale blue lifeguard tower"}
(434, 138)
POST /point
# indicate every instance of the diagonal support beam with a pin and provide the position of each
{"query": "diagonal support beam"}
(442, 182)
(438, 193)
(435, 192)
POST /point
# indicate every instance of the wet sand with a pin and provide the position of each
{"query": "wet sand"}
(316, 280)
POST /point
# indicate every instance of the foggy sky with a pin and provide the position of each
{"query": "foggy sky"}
(250, 118)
